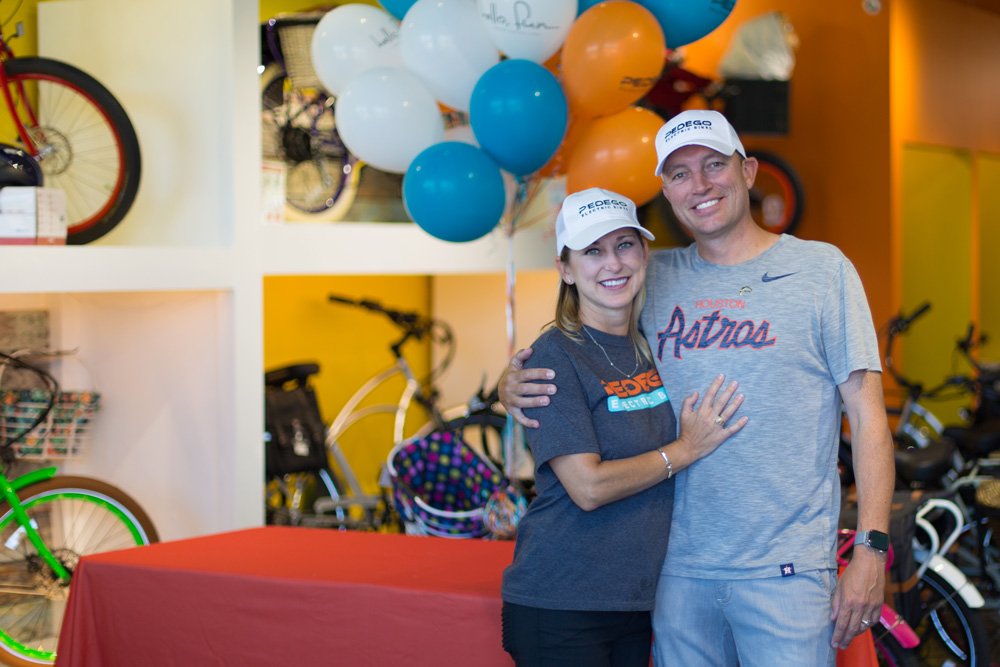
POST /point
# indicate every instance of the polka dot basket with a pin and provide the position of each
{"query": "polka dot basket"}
(441, 486)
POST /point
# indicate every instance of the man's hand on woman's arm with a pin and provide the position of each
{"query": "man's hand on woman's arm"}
(518, 390)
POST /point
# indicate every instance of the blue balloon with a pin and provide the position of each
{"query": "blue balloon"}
(397, 8)
(454, 192)
(584, 5)
(686, 21)
(518, 113)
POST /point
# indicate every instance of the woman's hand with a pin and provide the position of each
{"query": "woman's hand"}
(517, 388)
(707, 424)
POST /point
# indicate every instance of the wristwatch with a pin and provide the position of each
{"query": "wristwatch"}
(873, 539)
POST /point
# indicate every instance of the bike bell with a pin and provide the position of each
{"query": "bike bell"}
(17, 167)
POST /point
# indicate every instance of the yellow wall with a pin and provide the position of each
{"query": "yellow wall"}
(936, 246)
(946, 143)
(987, 167)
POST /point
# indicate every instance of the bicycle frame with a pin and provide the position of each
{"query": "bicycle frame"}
(933, 556)
(6, 53)
(351, 414)
(9, 489)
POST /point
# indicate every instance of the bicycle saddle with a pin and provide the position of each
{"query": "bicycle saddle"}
(978, 441)
(298, 373)
(925, 464)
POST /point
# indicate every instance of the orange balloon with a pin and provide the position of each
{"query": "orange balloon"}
(613, 55)
(557, 164)
(617, 153)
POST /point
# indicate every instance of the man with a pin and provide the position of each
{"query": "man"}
(749, 577)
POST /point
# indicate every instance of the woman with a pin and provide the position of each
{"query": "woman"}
(590, 548)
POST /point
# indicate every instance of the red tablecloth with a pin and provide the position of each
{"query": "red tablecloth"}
(289, 596)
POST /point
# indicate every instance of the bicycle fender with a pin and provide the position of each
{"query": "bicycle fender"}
(897, 626)
(33, 477)
(957, 580)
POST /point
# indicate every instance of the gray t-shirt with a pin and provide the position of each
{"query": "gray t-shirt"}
(608, 559)
(789, 326)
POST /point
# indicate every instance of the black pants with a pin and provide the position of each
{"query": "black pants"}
(549, 638)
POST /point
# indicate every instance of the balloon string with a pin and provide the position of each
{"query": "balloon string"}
(517, 210)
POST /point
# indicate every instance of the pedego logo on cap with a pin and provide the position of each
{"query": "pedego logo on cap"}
(590, 214)
(696, 128)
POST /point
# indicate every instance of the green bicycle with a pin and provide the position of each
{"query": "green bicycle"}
(47, 523)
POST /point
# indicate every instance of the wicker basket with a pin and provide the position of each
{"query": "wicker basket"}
(296, 49)
(64, 433)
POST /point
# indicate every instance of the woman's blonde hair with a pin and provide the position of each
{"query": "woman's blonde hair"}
(568, 310)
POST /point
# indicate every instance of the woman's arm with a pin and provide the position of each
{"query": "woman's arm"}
(592, 482)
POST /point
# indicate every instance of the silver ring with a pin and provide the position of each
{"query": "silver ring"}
(865, 622)
(719, 420)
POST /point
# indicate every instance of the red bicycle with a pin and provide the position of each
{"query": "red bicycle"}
(78, 133)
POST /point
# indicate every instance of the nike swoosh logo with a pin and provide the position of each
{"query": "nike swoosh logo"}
(766, 278)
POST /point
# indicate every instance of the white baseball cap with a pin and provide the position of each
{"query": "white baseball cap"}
(588, 215)
(696, 127)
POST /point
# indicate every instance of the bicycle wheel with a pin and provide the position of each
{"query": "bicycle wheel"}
(891, 653)
(298, 128)
(83, 140)
(950, 632)
(75, 516)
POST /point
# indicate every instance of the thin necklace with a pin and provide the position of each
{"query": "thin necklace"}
(628, 375)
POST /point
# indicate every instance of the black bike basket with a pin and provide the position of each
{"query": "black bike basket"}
(295, 436)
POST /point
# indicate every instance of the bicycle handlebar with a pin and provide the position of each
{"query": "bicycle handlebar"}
(406, 321)
(901, 323)
(413, 325)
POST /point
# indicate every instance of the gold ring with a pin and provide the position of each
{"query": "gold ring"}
(719, 420)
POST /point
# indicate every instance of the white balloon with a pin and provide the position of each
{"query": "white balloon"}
(445, 43)
(351, 39)
(528, 29)
(386, 116)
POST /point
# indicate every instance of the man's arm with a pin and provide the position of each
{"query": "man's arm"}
(860, 590)
(518, 390)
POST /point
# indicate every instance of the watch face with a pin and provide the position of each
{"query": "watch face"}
(878, 540)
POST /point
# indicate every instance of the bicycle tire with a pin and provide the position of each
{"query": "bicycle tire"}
(950, 632)
(891, 653)
(318, 185)
(86, 144)
(75, 516)
(777, 197)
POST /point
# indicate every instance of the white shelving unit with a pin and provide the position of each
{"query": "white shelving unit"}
(166, 309)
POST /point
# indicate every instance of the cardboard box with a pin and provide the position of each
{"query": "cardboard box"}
(32, 215)
(272, 191)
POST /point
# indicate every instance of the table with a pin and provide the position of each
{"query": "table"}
(289, 596)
